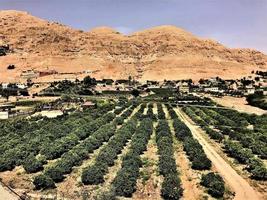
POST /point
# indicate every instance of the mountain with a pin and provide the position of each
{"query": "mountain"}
(164, 52)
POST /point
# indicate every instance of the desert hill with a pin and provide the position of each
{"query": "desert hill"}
(164, 52)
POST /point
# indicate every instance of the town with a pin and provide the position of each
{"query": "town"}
(15, 94)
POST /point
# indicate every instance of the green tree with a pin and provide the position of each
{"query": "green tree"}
(43, 182)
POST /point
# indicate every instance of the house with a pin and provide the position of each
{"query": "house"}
(47, 107)
(88, 104)
(4, 115)
(249, 90)
(211, 89)
(6, 107)
(5, 85)
(5, 110)
(21, 86)
(184, 88)
(27, 74)
(213, 80)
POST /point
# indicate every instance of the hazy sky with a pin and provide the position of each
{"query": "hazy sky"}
(235, 23)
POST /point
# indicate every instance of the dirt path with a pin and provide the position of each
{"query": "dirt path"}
(150, 188)
(6, 195)
(190, 179)
(238, 184)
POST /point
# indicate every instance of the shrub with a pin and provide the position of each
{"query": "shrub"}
(125, 181)
(171, 187)
(55, 173)
(119, 120)
(93, 174)
(259, 172)
(32, 165)
(161, 113)
(214, 183)
(43, 182)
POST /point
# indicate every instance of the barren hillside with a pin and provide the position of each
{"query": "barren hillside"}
(164, 52)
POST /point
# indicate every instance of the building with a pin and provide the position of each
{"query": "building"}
(88, 104)
(249, 90)
(5, 85)
(28, 74)
(184, 88)
(5, 110)
(211, 89)
(21, 86)
(4, 115)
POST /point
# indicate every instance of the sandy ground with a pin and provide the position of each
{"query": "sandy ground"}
(6, 195)
(150, 189)
(49, 113)
(239, 104)
(238, 184)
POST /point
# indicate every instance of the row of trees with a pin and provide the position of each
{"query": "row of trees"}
(150, 114)
(214, 183)
(161, 113)
(76, 155)
(254, 140)
(242, 143)
(191, 146)
(171, 186)
(64, 144)
(94, 174)
(201, 118)
(245, 156)
(23, 137)
(124, 183)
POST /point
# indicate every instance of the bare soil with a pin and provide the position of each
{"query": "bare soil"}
(149, 189)
(239, 104)
(6, 195)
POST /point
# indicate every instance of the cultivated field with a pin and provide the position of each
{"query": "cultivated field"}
(136, 150)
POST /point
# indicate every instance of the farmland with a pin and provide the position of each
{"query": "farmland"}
(136, 149)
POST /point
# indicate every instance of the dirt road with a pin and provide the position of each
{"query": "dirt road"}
(238, 184)
(6, 195)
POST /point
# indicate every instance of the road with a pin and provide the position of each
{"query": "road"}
(237, 183)
(6, 195)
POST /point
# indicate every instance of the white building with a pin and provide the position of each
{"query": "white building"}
(21, 86)
(4, 115)
(249, 90)
(5, 85)
(211, 89)
(184, 88)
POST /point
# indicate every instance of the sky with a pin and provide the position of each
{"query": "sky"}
(234, 23)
